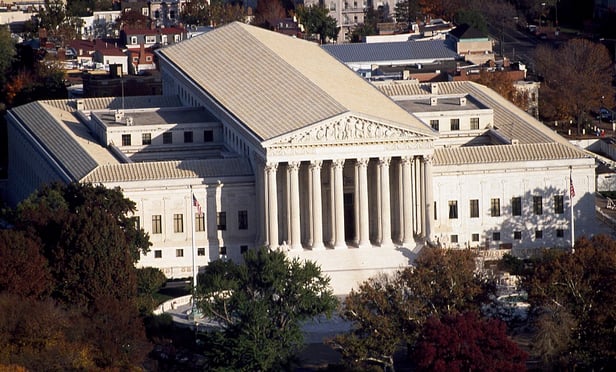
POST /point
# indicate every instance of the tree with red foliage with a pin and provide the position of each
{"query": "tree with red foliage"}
(268, 13)
(464, 342)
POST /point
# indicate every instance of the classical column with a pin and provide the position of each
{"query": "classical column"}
(272, 208)
(356, 205)
(428, 196)
(364, 234)
(317, 207)
(407, 201)
(385, 202)
(293, 171)
(339, 241)
(417, 181)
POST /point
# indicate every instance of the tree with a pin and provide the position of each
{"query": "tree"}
(407, 11)
(89, 240)
(502, 84)
(472, 18)
(7, 53)
(215, 13)
(464, 342)
(577, 78)
(259, 305)
(268, 13)
(316, 21)
(149, 281)
(23, 270)
(575, 298)
(388, 311)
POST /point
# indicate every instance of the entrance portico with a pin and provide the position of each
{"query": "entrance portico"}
(319, 194)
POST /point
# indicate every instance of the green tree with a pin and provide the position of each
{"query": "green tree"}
(577, 78)
(407, 11)
(472, 18)
(389, 311)
(7, 53)
(573, 293)
(259, 305)
(89, 240)
(216, 13)
(316, 21)
(149, 281)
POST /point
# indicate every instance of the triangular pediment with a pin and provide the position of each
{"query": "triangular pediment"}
(348, 129)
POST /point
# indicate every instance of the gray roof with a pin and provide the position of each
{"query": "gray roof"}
(57, 141)
(165, 170)
(406, 51)
(116, 103)
(276, 84)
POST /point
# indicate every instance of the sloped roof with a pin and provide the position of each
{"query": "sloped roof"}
(392, 51)
(465, 31)
(276, 84)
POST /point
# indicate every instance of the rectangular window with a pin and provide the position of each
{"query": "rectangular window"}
(126, 140)
(177, 38)
(133, 40)
(559, 204)
(516, 206)
(517, 235)
(145, 11)
(167, 138)
(208, 136)
(179, 253)
(157, 224)
(474, 205)
(242, 220)
(539, 234)
(455, 124)
(537, 205)
(495, 207)
(221, 220)
(150, 39)
(453, 238)
(496, 236)
(200, 251)
(178, 223)
(560, 233)
(475, 237)
(146, 138)
(474, 123)
(222, 251)
(453, 209)
(199, 222)
(188, 136)
(434, 124)
(158, 253)
(435, 216)
(243, 249)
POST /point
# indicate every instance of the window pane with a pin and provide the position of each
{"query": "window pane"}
(496, 236)
(167, 138)
(157, 224)
(158, 253)
(539, 234)
(200, 251)
(222, 251)
(126, 140)
(242, 217)
(199, 222)
(188, 137)
(146, 139)
(474, 123)
(516, 206)
(178, 223)
(517, 235)
(453, 209)
(474, 205)
(221, 220)
(475, 237)
(208, 136)
(537, 205)
(559, 204)
(455, 124)
(454, 238)
(495, 207)
(434, 124)
(179, 253)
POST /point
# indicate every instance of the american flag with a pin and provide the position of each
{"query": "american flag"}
(196, 204)
(571, 189)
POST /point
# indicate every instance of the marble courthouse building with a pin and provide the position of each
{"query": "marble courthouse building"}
(280, 144)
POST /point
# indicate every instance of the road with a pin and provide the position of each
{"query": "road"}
(518, 45)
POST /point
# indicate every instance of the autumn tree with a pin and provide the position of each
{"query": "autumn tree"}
(23, 269)
(389, 311)
(576, 78)
(214, 13)
(573, 295)
(465, 342)
(502, 84)
(268, 13)
(259, 305)
(316, 21)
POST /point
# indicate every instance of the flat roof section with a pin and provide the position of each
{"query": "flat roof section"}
(442, 104)
(157, 116)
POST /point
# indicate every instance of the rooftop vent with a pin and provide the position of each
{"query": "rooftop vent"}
(515, 142)
(80, 105)
(433, 101)
(434, 88)
(129, 121)
(462, 101)
(119, 115)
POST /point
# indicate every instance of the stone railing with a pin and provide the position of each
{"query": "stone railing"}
(172, 304)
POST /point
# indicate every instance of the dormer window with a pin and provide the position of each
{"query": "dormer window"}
(133, 40)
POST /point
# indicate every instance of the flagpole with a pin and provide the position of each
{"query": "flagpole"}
(571, 196)
(194, 262)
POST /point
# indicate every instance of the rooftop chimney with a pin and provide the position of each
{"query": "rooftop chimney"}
(434, 88)
(462, 101)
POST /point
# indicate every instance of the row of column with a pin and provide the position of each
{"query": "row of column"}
(409, 194)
